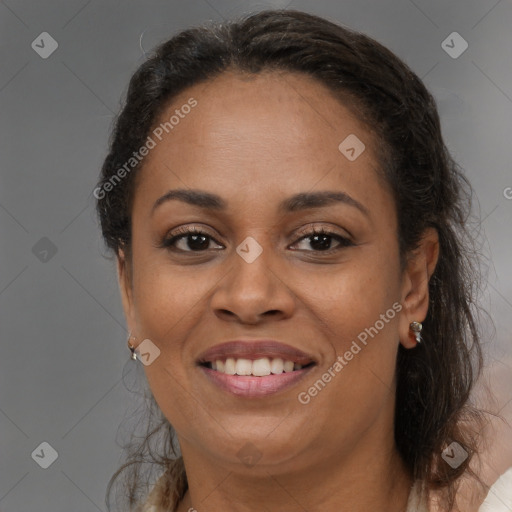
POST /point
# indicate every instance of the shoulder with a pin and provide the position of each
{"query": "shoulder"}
(499, 497)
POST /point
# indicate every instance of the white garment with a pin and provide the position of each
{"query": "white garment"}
(499, 497)
(417, 501)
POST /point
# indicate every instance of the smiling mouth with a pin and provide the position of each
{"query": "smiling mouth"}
(261, 367)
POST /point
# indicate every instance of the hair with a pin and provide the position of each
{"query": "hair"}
(433, 381)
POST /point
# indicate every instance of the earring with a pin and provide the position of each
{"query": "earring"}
(416, 329)
(131, 347)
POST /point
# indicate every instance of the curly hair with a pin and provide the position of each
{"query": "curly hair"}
(434, 381)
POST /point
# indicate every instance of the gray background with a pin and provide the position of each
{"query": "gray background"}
(61, 324)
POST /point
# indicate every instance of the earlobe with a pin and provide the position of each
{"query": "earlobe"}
(421, 265)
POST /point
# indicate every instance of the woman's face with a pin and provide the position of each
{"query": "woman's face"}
(264, 151)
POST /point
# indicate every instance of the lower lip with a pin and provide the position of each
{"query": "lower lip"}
(254, 387)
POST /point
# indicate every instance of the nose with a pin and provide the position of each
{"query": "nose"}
(251, 293)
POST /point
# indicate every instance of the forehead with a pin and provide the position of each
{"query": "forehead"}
(269, 133)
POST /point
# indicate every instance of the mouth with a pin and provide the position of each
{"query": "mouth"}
(254, 369)
(261, 367)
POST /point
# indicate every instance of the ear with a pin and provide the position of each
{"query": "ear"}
(421, 264)
(124, 275)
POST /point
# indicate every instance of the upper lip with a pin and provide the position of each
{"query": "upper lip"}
(255, 349)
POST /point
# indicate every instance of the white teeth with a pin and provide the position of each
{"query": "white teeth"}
(277, 365)
(288, 366)
(229, 366)
(243, 367)
(259, 367)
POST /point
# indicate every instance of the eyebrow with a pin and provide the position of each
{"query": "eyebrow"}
(297, 202)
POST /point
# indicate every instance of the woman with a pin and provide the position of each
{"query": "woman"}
(295, 272)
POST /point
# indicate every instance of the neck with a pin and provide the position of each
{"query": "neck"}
(360, 480)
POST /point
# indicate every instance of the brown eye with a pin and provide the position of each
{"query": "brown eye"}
(321, 240)
(189, 239)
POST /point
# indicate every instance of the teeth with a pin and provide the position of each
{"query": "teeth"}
(288, 366)
(229, 366)
(261, 367)
(277, 365)
(243, 367)
(258, 367)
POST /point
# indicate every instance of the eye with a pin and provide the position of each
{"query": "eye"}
(191, 239)
(321, 240)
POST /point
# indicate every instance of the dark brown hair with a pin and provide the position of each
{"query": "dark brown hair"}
(435, 379)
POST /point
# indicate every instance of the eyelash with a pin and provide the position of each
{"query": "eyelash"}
(168, 242)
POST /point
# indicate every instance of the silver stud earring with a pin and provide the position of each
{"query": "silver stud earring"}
(416, 329)
(131, 347)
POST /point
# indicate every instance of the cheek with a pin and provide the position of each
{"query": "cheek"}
(352, 298)
(169, 306)
(169, 301)
(357, 312)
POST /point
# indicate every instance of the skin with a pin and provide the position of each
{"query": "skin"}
(255, 141)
